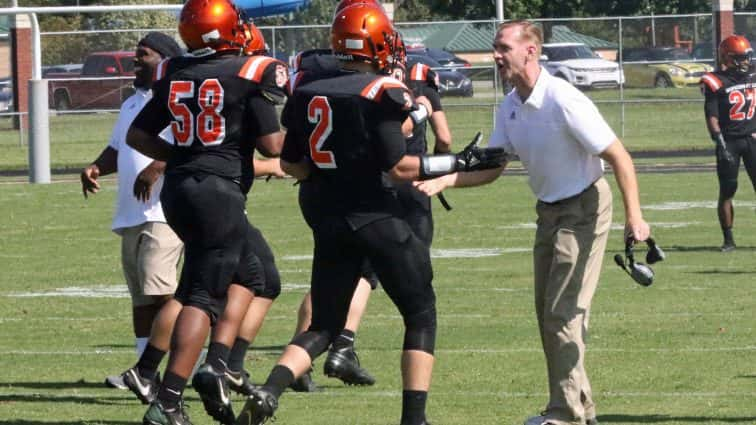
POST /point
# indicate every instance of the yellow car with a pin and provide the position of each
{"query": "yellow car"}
(661, 67)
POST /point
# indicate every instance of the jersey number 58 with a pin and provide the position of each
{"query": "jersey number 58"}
(210, 125)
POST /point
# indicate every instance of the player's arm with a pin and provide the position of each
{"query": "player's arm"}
(465, 179)
(438, 123)
(145, 130)
(294, 161)
(106, 163)
(423, 111)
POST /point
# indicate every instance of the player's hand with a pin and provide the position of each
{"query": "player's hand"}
(89, 180)
(724, 155)
(638, 229)
(433, 186)
(146, 179)
(475, 158)
(422, 100)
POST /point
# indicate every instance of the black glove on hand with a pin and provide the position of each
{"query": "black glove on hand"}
(474, 158)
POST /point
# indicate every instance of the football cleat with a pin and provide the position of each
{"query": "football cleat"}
(345, 365)
(259, 407)
(115, 381)
(212, 387)
(591, 421)
(728, 246)
(159, 415)
(239, 382)
(304, 384)
(144, 388)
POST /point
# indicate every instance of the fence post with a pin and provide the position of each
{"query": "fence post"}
(39, 132)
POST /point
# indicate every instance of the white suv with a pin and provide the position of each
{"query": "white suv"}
(578, 64)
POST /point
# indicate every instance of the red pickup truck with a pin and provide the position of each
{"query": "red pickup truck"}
(104, 83)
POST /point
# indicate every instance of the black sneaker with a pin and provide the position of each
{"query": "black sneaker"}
(212, 387)
(115, 381)
(158, 415)
(144, 388)
(304, 384)
(259, 407)
(345, 365)
(239, 382)
(728, 246)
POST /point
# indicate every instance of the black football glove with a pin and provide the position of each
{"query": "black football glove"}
(721, 148)
(475, 158)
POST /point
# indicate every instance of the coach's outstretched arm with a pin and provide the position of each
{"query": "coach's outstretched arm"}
(624, 172)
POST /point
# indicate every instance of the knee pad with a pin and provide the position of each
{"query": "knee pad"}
(420, 331)
(314, 342)
(727, 188)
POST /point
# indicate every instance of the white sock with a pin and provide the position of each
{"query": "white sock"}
(141, 344)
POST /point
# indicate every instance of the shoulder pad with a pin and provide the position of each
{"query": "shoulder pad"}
(422, 73)
(161, 70)
(393, 88)
(265, 70)
(295, 80)
(711, 81)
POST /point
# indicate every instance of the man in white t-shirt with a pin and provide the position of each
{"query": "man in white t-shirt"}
(150, 250)
(561, 139)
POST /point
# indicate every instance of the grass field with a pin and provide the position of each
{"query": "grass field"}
(675, 124)
(679, 352)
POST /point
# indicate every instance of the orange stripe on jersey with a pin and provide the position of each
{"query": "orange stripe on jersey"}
(711, 81)
(374, 90)
(419, 72)
(254, 68)
(160, 69)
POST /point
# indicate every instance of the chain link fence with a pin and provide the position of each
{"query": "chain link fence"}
(654, 103)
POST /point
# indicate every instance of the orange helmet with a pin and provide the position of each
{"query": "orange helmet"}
(363, 32)
(213, 26)
(256, 44)
(343, 4)
(735, 53)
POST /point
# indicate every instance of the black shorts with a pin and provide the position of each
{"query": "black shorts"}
(207, 213)
(727, 172)
(400, 260)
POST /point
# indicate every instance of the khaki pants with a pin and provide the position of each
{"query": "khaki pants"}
(569, 248)
(150, 253)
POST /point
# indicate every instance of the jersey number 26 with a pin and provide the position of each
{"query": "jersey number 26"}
(210, 125)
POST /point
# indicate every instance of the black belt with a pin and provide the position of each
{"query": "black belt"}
(569, 198)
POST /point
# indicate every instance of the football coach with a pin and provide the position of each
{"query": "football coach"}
(561, 139)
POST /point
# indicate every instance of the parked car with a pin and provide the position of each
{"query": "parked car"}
(662, 67)
(104, 83)
(580, 66)
(703, 52)
(69, 68)
(6, 95)
(445, 58)
(452, 83)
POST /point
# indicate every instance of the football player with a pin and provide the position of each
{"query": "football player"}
(343, 134)
(729, 107)
(220, 105)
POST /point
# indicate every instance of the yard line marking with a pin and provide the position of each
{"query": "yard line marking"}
(673, 206)
(444, 253)
(451, 351)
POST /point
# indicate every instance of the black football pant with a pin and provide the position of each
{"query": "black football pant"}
(398, 257)
(207, 213)
(727, 172)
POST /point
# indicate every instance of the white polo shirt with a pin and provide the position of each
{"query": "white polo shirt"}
(129, 211)
(557, 133)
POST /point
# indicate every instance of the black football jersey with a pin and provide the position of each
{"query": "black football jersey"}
(731, 97)
(216, 106)
(423, 82)
(338, 123)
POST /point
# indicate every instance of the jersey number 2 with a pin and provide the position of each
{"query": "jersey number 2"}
(738, 101)
(210, 124)
(319, 113)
